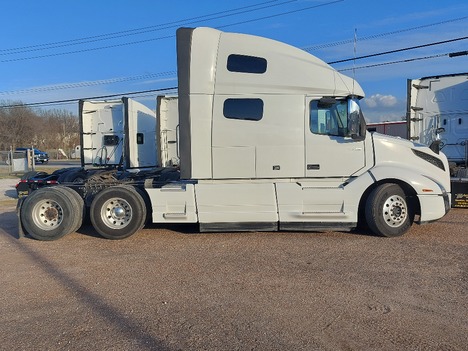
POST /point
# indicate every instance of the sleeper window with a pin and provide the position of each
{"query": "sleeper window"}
(246, 109)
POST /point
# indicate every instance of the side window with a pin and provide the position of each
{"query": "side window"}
(246, 64)
(246, 109)
(328, 118)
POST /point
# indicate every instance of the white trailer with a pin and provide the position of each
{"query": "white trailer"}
(269, 138)
(167, 113)
(437, 116)
(438, 111)
(117, 133)
(117, 137)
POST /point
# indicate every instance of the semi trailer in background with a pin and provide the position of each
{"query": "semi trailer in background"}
(437, 116)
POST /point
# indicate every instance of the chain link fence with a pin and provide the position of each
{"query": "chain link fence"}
(17, 161)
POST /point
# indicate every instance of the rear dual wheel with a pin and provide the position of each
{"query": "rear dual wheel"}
(118, 212)
(51, 213)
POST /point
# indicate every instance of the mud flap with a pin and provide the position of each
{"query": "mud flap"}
(18, 213)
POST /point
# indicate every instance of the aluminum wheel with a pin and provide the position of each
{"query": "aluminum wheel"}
(47, 214)
(395, 211)
(388, 212)
(116, 213)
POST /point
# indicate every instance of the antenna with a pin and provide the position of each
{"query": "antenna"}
(354, 59)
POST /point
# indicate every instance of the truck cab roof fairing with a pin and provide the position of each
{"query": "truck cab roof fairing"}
(203, 54)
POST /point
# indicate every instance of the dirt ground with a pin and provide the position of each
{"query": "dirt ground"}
(173, 289)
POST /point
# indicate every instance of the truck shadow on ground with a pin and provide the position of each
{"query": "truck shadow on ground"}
(96, 303)
(88, 230)
(9, 223)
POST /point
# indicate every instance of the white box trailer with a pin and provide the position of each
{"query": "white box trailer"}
(123, 140)
(438, 111)
(270, 138)
(437, 115)
(117, 133)
(167, 113)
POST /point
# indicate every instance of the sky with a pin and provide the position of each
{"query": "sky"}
(59, 50)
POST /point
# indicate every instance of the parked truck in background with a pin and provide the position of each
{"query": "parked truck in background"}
(119, 139)
(437, 116)
(269, 138)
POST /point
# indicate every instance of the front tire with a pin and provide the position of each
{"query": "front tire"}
(118, 212)
(388, 212)
(49, 214)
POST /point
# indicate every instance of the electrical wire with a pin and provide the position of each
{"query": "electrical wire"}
(399, 50)
(66, 101)
(375, 36)
(168, 36)
(393, 62)
(143, 30)
(91, 83)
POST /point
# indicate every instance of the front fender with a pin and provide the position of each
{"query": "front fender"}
(434, 199)
(422, 185)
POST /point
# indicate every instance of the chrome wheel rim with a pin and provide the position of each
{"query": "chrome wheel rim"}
(116, 213)
(395, 211)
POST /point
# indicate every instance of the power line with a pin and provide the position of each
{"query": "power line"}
(91, 83)
(394, 62)
(450, 54)
(142, 30)
(399, 50)
(87, 98)
(171, 36)
(375, 36)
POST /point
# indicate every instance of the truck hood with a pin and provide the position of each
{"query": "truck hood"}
(393, 140)
(393, 152)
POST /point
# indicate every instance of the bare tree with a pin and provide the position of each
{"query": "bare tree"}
(44, 129)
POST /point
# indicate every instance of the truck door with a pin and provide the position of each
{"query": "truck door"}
(329, 152)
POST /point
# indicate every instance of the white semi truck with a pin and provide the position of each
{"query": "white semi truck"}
(269, 138)
(437, 116)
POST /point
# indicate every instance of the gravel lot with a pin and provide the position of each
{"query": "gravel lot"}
(173, 289)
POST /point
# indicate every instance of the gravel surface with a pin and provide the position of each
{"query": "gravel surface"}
(172, 289)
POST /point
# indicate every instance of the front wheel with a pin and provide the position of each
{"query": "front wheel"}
(118, 212)
(387, 211)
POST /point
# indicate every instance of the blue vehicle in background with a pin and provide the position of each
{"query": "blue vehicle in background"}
(39, 156)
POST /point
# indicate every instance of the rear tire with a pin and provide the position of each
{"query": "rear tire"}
(48, 214)
(387, 211)
(79, 207)
(118, 212)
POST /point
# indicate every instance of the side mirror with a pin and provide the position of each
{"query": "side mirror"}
(356, 122)
(435, 146)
